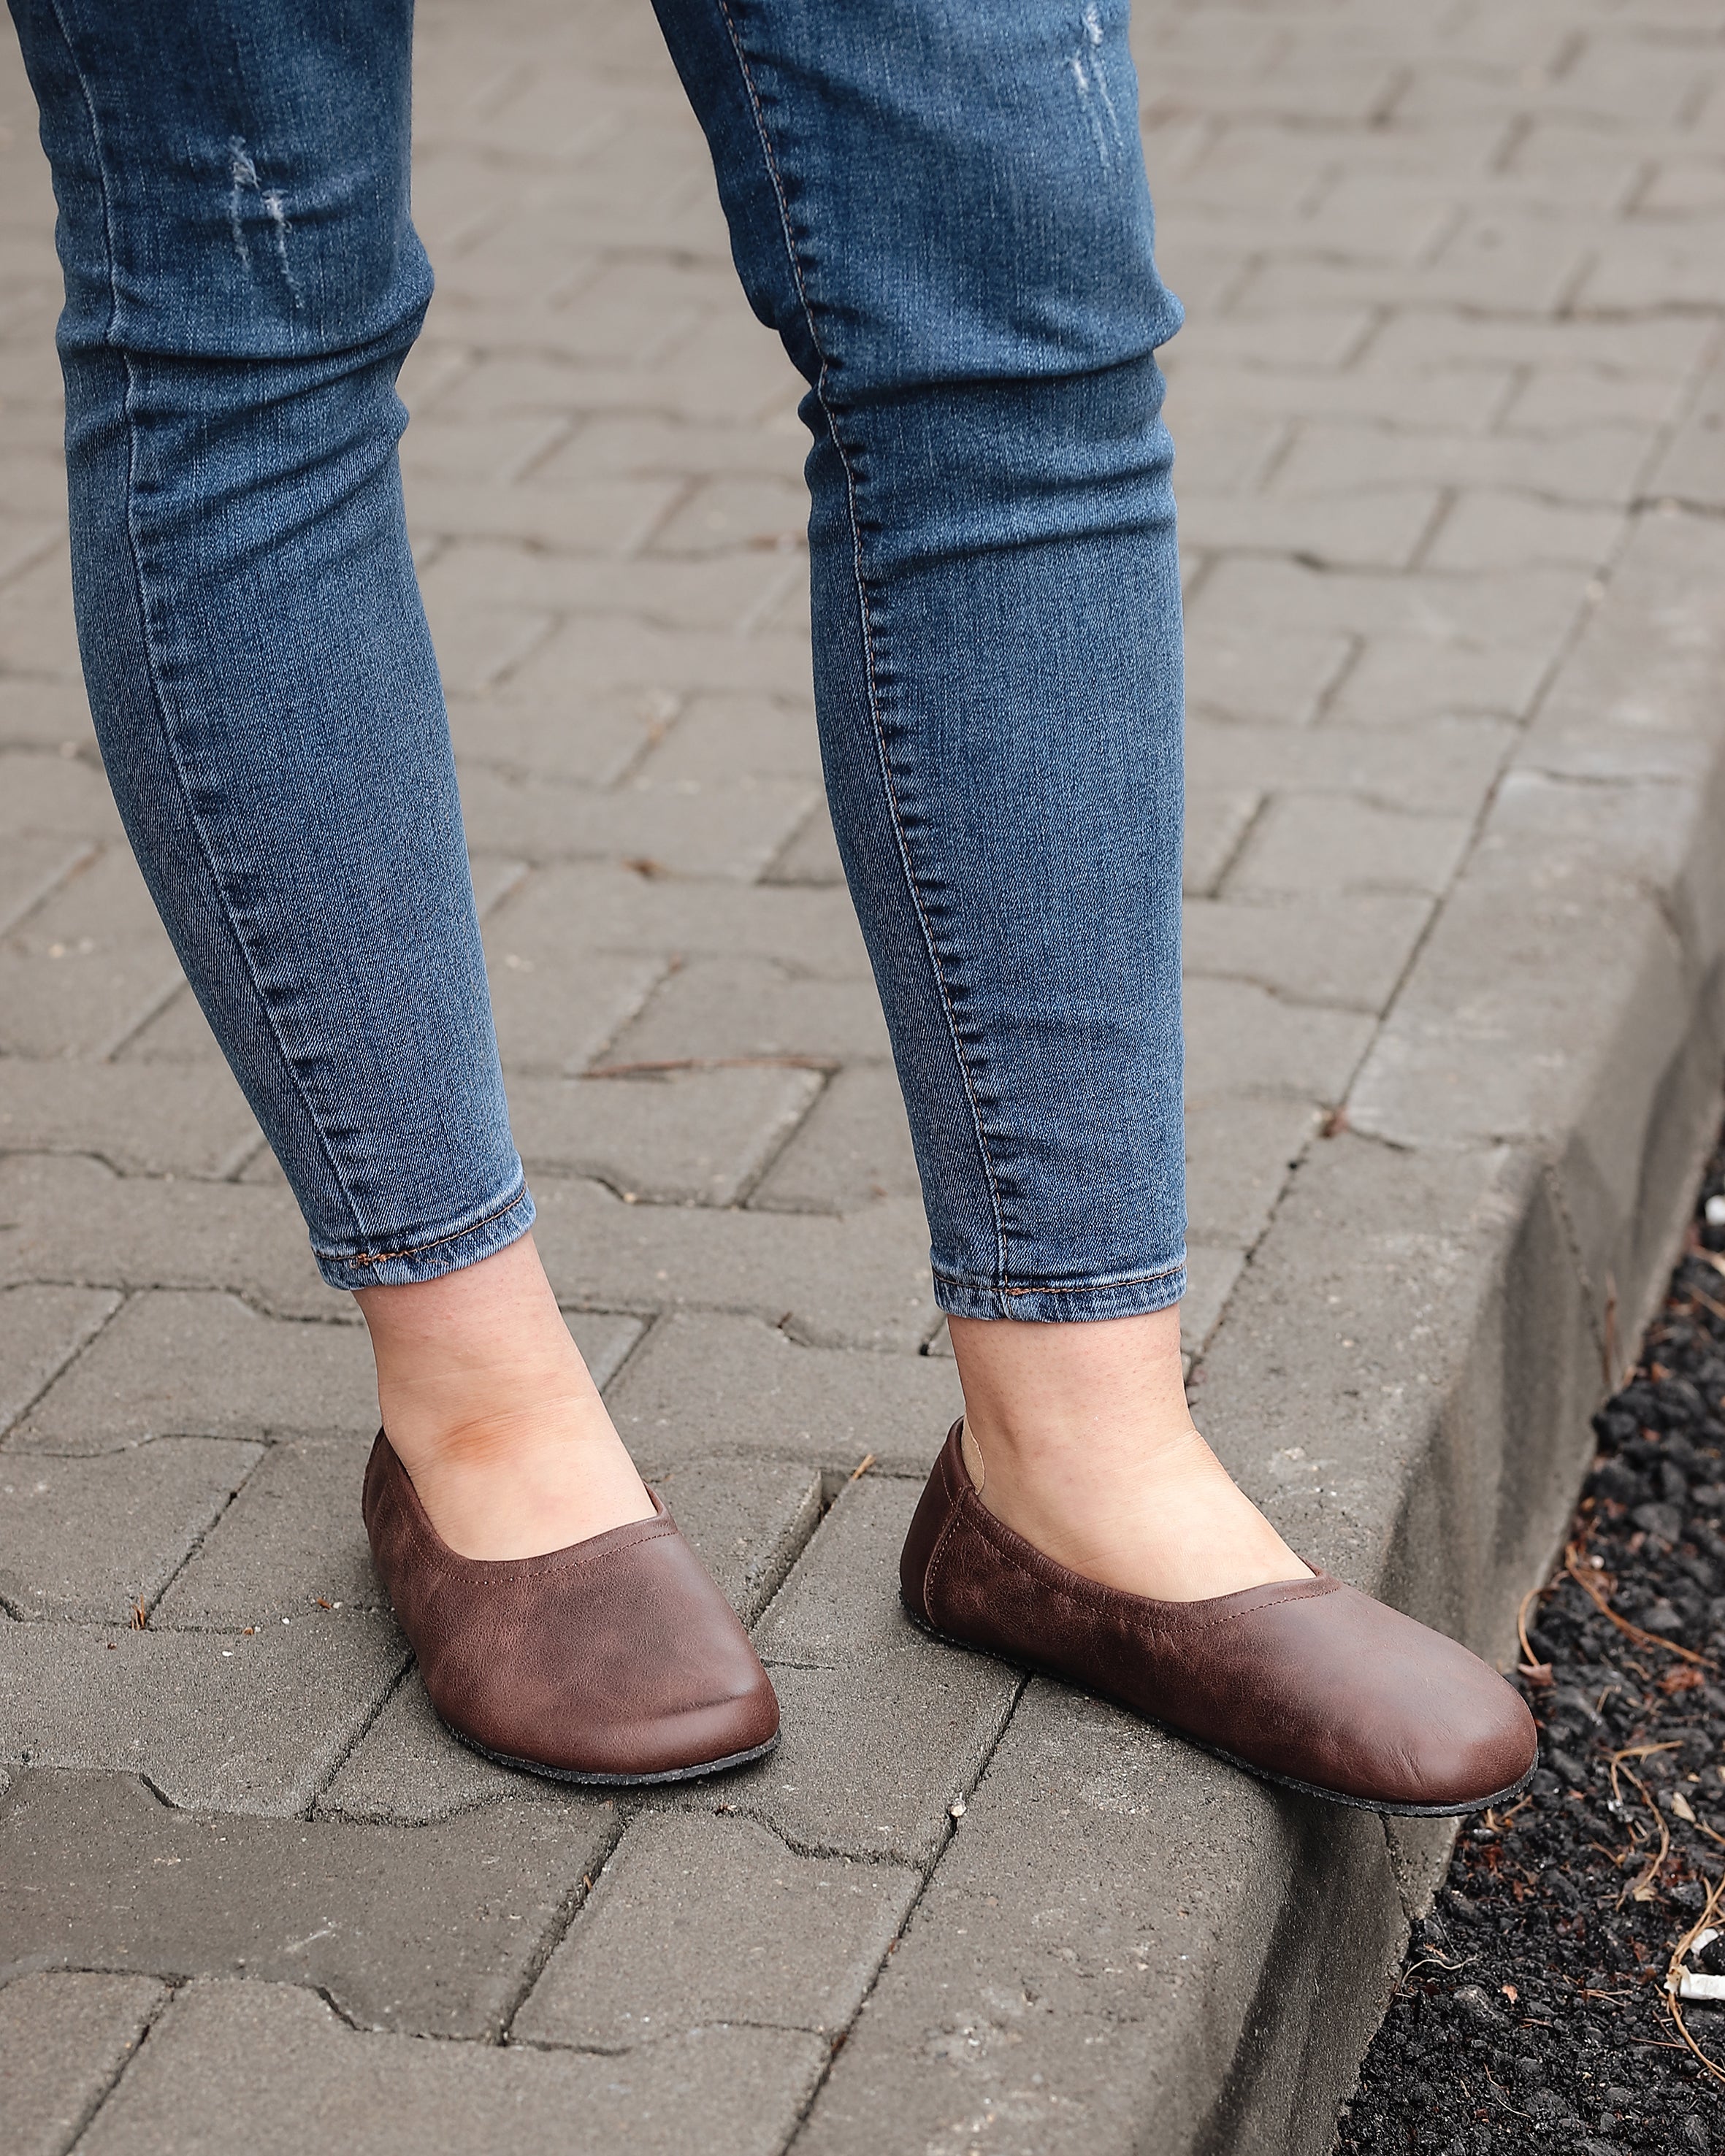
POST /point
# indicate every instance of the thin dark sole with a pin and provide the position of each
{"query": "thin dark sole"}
(613, 1781)
(1232, 1758)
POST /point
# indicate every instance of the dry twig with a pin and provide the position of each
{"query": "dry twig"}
(1641, 1889)
(1595, 1594)
(1535, 1671)
(1674, 1970)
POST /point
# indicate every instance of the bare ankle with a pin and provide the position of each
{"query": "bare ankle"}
(491, 1411)
(1078, 1437)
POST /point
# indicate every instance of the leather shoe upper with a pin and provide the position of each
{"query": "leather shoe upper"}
(1306, 1680)
(616, 1659)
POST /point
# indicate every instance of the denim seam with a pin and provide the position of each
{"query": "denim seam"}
(1069, 1287)
(437, 1242)
(866, 622)
(111, 338)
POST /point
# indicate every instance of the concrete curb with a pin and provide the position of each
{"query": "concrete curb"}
(1404, 1380)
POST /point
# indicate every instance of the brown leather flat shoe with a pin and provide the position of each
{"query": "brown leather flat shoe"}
(1306, 1682)
(615, 1661)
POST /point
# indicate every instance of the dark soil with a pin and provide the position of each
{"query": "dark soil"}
(1532, 2012)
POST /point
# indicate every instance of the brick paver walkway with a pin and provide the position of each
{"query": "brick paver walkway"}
(1452, 272)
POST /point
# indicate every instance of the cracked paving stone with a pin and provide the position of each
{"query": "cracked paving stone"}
(269, 2069)
(883, 1727)
(701, 1919)
(95, 1538)
(431, 1930)
(63, 2039)
(223, 1722)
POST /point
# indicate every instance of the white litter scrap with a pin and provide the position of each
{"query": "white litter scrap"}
(1713, 1212)
(1684, 1985)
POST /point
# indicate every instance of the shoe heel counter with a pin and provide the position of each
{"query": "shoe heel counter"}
(371, 1489)
(933, 1509)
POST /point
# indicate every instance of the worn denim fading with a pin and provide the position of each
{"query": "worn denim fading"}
(941, 208)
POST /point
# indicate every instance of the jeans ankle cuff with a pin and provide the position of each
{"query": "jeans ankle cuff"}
(429, 1254)
(1113, 1295)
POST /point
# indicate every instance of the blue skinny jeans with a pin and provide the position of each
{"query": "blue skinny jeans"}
(940, 206)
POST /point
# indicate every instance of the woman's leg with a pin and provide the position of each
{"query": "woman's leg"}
(942, 209)
(242, 285)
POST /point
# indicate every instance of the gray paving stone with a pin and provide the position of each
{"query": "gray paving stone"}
(39, 711)
(431, 1932)
(231, 1723)
(674, 1137)
(406, 1770)
(1444, 1069)
(714, 738)
(192, 1122)
(175, 1363)
(1240, 1150)
(75, 1221)
(1349, 949)
(1691, 469)
(884, 1728)
(633, 443)
(861, 1282)
(611, 654)
(64, 2039)
(97, 1539)
(1235, 672)
(87, 966)
(175, 1034)
(1211, 1270)
(603, 907)
(1618, 914)
(614, 517)
(605, 1340)
(1492, 530)
(731, 512)
(811, 856)
(698, 1920)
(1444, 766)
(1241, 1038)
(732, 830)
(1638, 699)
(1381, 1427)
(1217, 823)
(1662, 347)
(853, 1146)
(750, 1007)
(591, 741)
(1087, 1957)
(708, 1383)
(35, 864)
(1306, 842)
(556, 1008)
(270, 2067)
(291, 1542)
(66, 794)
(1383, 529)
(1595, 465)
(41, 1330)
(748, 1518)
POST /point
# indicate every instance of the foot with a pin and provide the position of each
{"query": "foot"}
(491, 1411)
(1310, 1683)
(1078, 1437)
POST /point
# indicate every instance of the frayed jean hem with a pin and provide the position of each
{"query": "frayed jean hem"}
(429, 1256)
(1058, 1303)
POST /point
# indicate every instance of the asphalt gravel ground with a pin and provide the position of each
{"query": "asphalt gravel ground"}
(1533, 2011)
